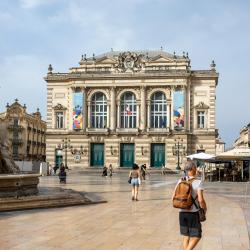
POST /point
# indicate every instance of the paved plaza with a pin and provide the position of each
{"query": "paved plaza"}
(149, 224)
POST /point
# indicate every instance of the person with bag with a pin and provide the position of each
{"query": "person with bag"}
(135, 180)
(188, 197)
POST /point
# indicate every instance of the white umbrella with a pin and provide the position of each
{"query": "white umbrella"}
(235, 154)
(200, 156)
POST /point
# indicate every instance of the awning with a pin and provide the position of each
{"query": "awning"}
(235, 154)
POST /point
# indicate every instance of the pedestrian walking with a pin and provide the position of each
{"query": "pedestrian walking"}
(135, 176)
(188, 196)
(62, 174)
(143, 171)
(110, 170)
(163, 169)
(105, 171)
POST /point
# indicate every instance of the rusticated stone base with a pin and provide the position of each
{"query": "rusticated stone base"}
(18, 185)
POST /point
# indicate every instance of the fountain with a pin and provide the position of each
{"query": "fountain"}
(12, 182)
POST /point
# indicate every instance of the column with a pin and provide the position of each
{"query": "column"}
(84, 109)
(172, 108)
(184, 89)
(137, 115)
(148, 117)
(113, 110)
(188, 106)
(108, 115)
(143, 109)
(169, 118)
(88, 114)
(69, 112)
(118, 115)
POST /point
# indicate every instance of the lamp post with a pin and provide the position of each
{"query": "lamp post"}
(65, 145)
(178, 150)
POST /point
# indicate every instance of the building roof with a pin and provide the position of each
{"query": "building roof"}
(149, 53)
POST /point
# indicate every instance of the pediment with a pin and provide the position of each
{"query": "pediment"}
(59, 107)
(161, 58)
(105, 60)
(202, 105)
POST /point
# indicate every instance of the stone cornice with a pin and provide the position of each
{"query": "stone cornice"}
(84, 76)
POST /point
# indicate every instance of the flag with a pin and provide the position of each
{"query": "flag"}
(128, 112)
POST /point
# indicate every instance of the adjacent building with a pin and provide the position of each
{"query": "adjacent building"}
(244, 138)
(26, 132)
(130, 106)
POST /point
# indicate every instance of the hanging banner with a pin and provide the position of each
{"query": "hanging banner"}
(78, 110)
(179, 109)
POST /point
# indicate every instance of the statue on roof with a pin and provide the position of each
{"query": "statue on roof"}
(129, 62)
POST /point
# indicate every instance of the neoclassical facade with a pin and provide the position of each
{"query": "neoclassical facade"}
(123, 107)
(25, 132)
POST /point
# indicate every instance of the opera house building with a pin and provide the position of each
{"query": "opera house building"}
(122, 107)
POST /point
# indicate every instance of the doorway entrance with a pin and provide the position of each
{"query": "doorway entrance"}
(97, 155)
(59, 157)
(127, 151)
(157, 155)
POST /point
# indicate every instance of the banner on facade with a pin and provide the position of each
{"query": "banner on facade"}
(78, 110)
(179, 109)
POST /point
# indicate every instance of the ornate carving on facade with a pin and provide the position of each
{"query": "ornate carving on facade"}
(130, 62)
(201, 105)
(97, 139)
(59, 106)
(127, 139)
(158, 139)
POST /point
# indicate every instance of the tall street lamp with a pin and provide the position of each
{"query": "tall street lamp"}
(178, 150)
(65, 145)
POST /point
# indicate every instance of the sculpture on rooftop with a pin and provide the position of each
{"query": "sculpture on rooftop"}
(130, 62)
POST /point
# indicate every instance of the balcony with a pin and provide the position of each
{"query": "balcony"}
(97, 131)
(16, 141)
(127, 131)
(15, 127)
(158, 131)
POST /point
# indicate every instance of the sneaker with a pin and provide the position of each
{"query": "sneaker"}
(133, 198)
(136, 199)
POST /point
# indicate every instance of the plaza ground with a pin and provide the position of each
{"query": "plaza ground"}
(149, 224)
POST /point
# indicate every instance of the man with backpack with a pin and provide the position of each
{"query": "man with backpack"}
(188, 196)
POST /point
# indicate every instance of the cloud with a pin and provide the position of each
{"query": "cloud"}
(29, 4)
(22, 78)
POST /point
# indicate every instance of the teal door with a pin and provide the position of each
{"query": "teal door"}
(97, 155)
(127, 151)
(157, 155)
(59, 158)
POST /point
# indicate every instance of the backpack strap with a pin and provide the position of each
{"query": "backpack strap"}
(197, 206)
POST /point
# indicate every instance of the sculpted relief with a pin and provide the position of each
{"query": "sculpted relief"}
(130, 62)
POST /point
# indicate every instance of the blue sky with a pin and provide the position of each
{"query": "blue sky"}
(34, 33)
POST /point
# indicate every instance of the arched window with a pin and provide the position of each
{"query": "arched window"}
(98, 110)
(128, 110)
(158, 110)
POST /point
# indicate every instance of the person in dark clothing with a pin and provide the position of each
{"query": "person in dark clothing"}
(143, 171)
(62, 174)
(105, 171)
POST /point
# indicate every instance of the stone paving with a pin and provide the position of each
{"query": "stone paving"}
(121, 224)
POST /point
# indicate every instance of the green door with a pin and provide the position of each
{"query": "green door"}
(127, 154)
(59, 158)
(157, 155)
(97, 155)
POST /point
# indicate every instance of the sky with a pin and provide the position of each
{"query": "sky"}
(35, 33)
